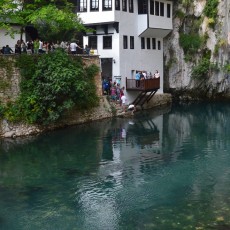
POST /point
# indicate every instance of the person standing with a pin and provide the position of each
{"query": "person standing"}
(157, 74)
(36, 46)
(73, 47)
(40, 49)
(138, 76)
(123, 102)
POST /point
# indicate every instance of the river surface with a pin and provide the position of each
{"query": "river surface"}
(162, 169)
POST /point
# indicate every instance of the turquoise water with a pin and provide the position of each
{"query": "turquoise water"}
(163, 169)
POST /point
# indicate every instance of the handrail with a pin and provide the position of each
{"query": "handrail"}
(143, 85)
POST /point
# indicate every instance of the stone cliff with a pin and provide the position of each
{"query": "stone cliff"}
(197, 51)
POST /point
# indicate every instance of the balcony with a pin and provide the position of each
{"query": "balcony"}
(146, 85)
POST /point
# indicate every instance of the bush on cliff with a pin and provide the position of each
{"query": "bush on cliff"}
(52, 84)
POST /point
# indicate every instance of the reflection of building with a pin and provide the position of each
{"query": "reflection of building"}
(128, 35)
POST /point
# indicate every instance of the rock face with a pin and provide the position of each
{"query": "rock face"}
(178, 67)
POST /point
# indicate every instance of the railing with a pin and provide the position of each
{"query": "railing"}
(143, 85)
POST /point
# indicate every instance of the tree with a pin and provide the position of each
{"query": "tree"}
(56, 16)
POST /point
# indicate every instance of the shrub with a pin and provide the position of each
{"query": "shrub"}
(52, 84)
(211, 10)
(190, 42)
(202, 69)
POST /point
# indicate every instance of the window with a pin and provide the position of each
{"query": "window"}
(142, 6)
(81, 5)
(168, 11)
(93, 5)
(107, 5)
(152, 7)
(125, 42)
(148, 43)
(162, 9)
(131, 6)
(142, 43)
(159, 45)
(124, 5)
(92, 42)
(157, 8)
(131, 42)
(107, 42)
(117, 4)
(153, 43)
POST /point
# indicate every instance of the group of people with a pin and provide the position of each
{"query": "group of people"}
(116, 93)
(143, 75)
(39, 46)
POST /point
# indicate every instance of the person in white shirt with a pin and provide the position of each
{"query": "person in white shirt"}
(123, 102)
(157, 74)
(73, 47)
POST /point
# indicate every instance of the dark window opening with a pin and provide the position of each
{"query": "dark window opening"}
(117, 5)
(168, 11)
(131, 42)
(159, 45)
(125, 42)
(157, 8)
(131, 6)
(142, 6)
(107, 5)
(142, 43)
(162, 9)
(94, 5)
(148, 43)
(153, 43)
(124, 5)
(92, 42)
(107, 42)
(152, 7)
(81, 5)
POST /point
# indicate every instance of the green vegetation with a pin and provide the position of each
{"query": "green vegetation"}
(52, 19)
(191, 43)
(201, 70)
(211, 11)
(51, 85)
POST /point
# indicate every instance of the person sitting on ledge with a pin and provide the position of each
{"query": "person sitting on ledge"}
(132, 108)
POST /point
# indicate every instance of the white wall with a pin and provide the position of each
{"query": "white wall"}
(7, 40)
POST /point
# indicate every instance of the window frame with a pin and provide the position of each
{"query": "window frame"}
(92, 40)
(107, 44)
(124, 5)
(96, 2)
(117, 4)
(168, 10)
(109, 5)
(162, 10)
(125, 42)
(131, 8)
(80, 4)
(148, 43)
(157, 8)
(154, 43)
(142, 43)
(159, 45)
(152, 7)
(131, 42)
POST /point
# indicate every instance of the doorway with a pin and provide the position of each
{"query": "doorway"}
(106, 68)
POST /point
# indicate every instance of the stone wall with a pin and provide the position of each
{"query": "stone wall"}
(9, 79)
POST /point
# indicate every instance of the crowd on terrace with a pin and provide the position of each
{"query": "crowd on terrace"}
(39, 47)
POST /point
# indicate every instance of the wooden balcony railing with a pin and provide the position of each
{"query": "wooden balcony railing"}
(143, 85)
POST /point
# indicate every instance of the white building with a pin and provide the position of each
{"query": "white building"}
(127, 35)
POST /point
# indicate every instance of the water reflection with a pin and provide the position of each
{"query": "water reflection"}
(161, 169)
